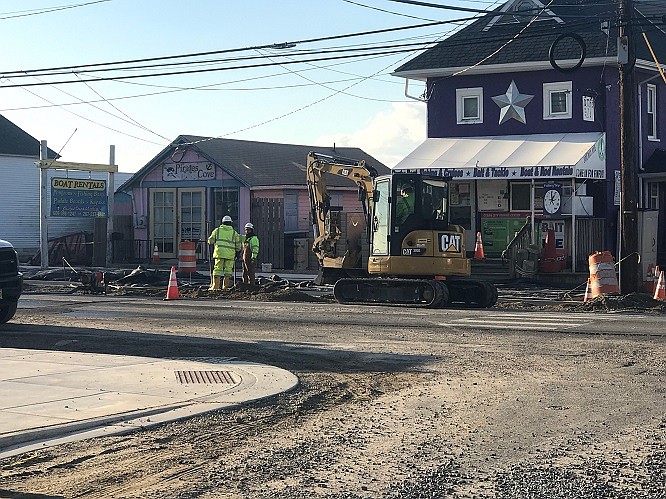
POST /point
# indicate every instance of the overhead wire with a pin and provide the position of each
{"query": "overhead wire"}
(35, 12)
(291, 112)
(79, 70)
(90, 120)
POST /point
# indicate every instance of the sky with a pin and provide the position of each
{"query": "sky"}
(352, 102)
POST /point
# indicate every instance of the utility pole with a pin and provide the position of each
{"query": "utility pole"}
(629, 268)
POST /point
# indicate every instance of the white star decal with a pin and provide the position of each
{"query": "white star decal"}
(512, 104)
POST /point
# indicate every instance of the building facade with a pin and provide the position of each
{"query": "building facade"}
(182, 194)
(523, 116)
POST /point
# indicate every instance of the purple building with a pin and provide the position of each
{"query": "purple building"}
(523, 116)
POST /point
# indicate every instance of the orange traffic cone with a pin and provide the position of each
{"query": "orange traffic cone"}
(587, 291)
(660, 290)
(478, 249)
(156, 255)
(172, 290)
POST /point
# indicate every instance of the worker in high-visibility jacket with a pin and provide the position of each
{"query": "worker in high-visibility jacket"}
(227, 243)
(250, 252)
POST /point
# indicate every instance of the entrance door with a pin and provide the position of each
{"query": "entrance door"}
(163, 221)
(176, 215)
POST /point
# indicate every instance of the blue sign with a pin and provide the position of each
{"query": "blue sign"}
(72, 197)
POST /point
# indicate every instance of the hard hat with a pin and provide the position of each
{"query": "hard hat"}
(249, 226)
(226, 218)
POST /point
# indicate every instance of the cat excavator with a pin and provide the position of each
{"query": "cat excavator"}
(409, 255)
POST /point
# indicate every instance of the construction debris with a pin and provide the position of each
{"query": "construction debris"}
(143, 281)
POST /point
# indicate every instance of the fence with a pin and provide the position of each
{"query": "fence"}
(268, 219)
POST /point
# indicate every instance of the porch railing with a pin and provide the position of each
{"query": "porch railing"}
(521, 240)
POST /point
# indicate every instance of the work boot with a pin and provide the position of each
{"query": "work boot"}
(215, 284)
(226, 284)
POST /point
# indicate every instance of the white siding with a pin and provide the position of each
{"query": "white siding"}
(19, 203)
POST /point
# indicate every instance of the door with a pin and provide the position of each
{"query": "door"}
(176, 215)
(191, 214)
(380, 219)
(163, 221)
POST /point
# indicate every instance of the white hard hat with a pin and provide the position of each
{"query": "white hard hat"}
(249, 226)
(226, 218)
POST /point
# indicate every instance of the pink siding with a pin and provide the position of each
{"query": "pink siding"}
(351, 203)
(244, 206)
(304, 211)
(268, 194)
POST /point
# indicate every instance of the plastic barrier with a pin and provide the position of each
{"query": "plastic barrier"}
(187, 257)
(603, 279)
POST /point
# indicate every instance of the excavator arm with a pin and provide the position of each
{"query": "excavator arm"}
(327, 228)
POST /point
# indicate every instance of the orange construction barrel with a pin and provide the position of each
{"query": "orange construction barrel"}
(187, 257)
(603, 279)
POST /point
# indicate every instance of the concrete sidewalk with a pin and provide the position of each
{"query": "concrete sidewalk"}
(51, 397)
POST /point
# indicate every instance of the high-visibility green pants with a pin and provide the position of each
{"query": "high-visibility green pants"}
(223, 266)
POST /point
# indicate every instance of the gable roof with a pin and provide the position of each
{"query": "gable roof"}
(259, 164)
(16, 142)
(489, 33)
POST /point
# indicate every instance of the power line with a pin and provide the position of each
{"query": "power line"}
(35, 12)
(215, 52)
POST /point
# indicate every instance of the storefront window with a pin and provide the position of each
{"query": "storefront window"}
(226, 203)
(520, 196)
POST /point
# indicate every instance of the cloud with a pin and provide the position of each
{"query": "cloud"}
(389, 136)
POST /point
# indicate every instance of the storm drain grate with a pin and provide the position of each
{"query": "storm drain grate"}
(211, 377)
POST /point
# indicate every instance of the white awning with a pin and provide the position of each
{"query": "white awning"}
(564, 155)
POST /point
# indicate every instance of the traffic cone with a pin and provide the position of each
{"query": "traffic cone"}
(478, 249)
(660, 290)
(172, 290)
(156, 256)
(587, 291)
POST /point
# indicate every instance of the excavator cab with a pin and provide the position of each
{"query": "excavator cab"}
(410, 233)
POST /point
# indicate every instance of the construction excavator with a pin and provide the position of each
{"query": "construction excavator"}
(409, 254)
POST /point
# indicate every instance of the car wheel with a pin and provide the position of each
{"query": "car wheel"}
(7, 312)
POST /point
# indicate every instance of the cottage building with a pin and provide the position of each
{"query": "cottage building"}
(522, 115)
(182, 194)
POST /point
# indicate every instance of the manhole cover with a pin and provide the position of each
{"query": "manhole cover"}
(188, 377)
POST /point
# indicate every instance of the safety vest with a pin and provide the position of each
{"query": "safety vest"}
(251, 243)
(227, 242)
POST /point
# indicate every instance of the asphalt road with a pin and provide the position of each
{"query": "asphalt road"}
(393, 402)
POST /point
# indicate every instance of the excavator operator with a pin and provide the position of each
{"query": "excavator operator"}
(405, 204)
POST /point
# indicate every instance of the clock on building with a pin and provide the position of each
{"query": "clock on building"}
(552, 199)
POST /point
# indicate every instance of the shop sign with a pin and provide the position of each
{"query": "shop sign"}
(558, 228)
(593, 163)
(584, 169)
(173, 172)
(591, 166)
(72, 197)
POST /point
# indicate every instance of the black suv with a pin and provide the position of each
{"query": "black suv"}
(11, 281)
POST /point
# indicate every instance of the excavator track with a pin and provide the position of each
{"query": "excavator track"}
(471, 293)
(421, 293)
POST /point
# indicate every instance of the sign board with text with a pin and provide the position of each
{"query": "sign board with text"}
(72, 197)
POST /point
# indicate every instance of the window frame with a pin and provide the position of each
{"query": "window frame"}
(557, 87)
(461, 95)
(653, 195)
(651, 100)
